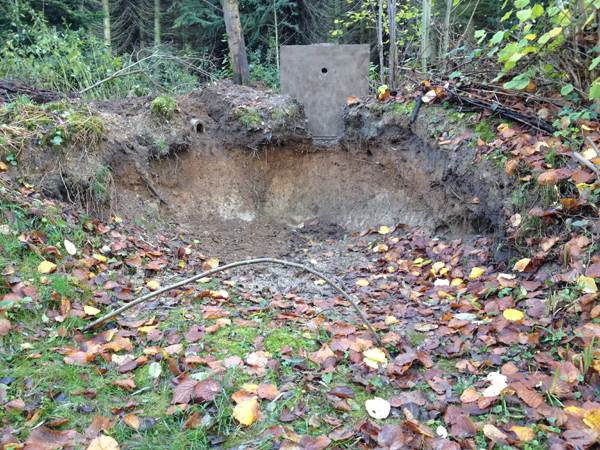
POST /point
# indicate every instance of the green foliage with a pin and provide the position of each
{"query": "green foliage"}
(247, 116)
(163, 108)
(533, 34)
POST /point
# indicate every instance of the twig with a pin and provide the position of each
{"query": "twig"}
(584, 161)
(152, 188)
(417, 108)
(339, 290)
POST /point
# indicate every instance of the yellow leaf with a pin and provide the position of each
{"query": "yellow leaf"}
(390, 320)
(46, 267)
(384, 230)
(419, 260)
(153, 284)
(391, 269)
(522, 264)
(117, 219)
(246, 412)
(91, 311)
(588, 284)
(444, 272)
(362, 283)
(436, 266)
(513, 315)
(380, 248)
(100, 258)
(250, 388)
(148, 328)
(530, 37)
(320, 282)
(445, 294)
(589, 154)
(376, 355)
(525, 434)
(456, 282)
(70, 247)
(476, 272)
(204, 280)
(592, 419)
(503, 127)
(103, 442)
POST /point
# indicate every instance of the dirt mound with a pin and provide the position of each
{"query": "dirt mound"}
(236, 167)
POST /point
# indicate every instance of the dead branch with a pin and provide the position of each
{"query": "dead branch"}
(339, 290)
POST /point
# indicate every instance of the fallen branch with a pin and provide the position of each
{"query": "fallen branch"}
(584, 161)
(339, 290)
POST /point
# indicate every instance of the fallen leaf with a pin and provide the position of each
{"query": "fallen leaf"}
(133, 421)
(70, 247)
(525, 434)
(46, 267)
(378, 408)
(513, 315)
(103, 442)
(522, 264)
(362, 283)
(383, 230)
(476, 272)
(91, 311)
(246, 412)
(588, 284)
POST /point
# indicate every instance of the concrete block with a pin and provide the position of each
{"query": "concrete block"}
(322, 77)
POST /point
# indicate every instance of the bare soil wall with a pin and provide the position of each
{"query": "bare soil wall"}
(254, 176)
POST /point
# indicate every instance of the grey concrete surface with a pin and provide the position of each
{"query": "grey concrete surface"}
(322, 77)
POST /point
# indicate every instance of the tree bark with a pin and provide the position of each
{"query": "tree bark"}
(237, 45)
(157, 32)
(425, 36)
(393, 47)
(380, 41)
(446, 46)
(106, 21)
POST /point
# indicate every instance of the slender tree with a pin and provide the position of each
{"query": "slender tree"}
(157, 33)
(106, 21)
(393, 45)
(425, 33)
(235, 39)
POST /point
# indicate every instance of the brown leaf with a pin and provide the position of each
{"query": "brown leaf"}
(391, 435)
(5, 327)
(207, 390)
(494, 434)
(342, 391)
(127, 384)
(470, 395)
(592, 272)
(15, 404)
(43, 437)
(321, 356)
(463, 427)
(319, 443)
(510, 166)
(267, 391)
(133, 421)
(529, 396)
(580, 438)
(340, 434)
(183, 392)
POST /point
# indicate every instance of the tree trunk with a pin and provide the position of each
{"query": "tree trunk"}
(157, 33)
(393, 47)
(425, 36)
(446, 46)
(380, 41)
(276, 33)
(235, 39)
(106, 21)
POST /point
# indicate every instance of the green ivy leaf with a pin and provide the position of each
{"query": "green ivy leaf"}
(524, 14)
(595, 62)
(544, 38)
(567, 89)
(506, 16)
(521, 3)
(555, 31)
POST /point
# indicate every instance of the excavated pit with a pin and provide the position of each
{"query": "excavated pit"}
(246, 187)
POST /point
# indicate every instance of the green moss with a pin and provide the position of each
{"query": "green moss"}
(277, 338)
(163, 108)
(247, 116)
(233, 340)
(415, 337)
(485, 130)
(398, 108)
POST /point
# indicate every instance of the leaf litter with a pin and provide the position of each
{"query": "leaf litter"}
(481, 352)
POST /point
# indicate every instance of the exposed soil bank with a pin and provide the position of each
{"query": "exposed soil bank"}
(251, 175)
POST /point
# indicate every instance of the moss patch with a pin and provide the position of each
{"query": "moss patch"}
(163, 108)
(247, 116)
(485, 130)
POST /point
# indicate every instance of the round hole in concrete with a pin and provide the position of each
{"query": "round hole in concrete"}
(324, 70)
